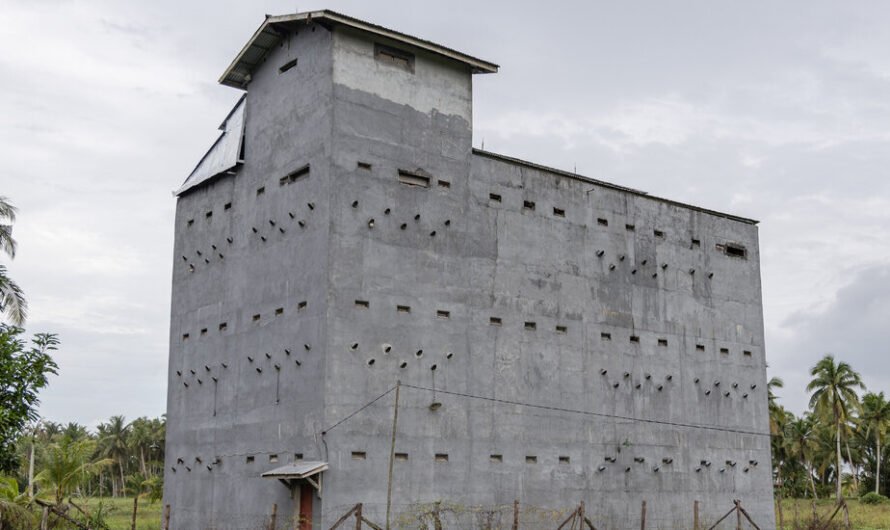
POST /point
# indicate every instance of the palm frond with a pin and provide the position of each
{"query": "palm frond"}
(12, 300)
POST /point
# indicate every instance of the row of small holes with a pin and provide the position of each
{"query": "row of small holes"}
(208, 214)
(223, 326)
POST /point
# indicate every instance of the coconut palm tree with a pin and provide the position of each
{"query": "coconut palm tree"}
(834, 397)
(800, 446)
(67, 465)
(12, 299)
(776, 412)
(113, 444)
(875, 418)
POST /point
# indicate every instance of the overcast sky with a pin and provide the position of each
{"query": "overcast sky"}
(778, 111)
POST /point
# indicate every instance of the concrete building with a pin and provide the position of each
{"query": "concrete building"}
(586, 341)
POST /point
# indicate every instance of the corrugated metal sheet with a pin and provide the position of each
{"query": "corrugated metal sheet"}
(224, 154)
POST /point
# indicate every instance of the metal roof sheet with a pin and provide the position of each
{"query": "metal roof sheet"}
(237, 75)
(297, 470)
(224, 154)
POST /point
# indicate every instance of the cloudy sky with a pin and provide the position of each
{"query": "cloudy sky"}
(776, 111)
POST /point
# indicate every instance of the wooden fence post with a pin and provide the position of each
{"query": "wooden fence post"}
(167, 517)
(781, 515)
(695, 521)
(273, 521)
(738, 515)
(815, 515)
(643, 517)
(358, 516)
(846, 516)
(516, 514)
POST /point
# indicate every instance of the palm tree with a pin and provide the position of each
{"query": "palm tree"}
(875, 418)
(12, 299)
(834, 396)
(776, 412)
(800, 446)
(113, 441)
(67, 465)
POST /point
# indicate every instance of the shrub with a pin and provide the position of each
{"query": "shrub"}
(873, 498)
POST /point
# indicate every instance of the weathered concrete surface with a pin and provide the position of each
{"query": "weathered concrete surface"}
(570, 291)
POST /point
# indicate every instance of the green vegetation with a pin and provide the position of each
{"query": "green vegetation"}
(797, 514)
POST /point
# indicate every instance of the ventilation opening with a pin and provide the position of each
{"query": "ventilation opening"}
(359, 455)
(256, 318)
(302, 305)
(496, 458)
(494, 197)
(746, 353)
(394, 57)
(559, 212)
(364, 165)
(223, 326)
(658, 233)
(273, 459)
(362, 304)
(564, 460)
(630, 228)
(724, 351)
(531, 459)
(295, 176)
(298, 457)
(696, 242)
(203, 331)
(444, 184)
(443, 314)
(261, 190)
(634, 339)
(734, 250)
(494, 321)
(403, 365)
(662, 342)
(287, 66)
(185, 336)
(401, 457)
(418, 354)
(602, 222)
(209, 214)
(530, 326)
(561, 329)
(190, 222)
(441, 457)
(605, 336)
(403, 308)
(279, 311)
(227, 206)
(249, 459)
(413, 179)
(528, 205)
(700, 347)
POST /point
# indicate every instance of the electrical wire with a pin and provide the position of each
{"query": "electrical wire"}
(366, 405)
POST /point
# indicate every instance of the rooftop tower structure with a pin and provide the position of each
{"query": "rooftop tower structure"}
(559, 339)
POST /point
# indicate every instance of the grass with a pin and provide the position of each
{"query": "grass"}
(148, 516)
(862, 516)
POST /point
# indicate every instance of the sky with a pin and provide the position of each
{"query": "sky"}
(774, 111)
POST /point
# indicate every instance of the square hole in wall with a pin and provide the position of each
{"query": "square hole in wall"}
(605, 336)
(602, 221)
(700, 347)
(209, 214)
(662, 342)
(494, 197)
(302, 305)
(696, 242)
(364, 165)
(359, 455)
(412, 178)
(401, 456)
(223, 326)
(203, 331)
(403, 308)
(658, 233)
(190, 222)
(441, 457)
(559, 212)
(279, 311)
(227, 206)
(561, 329)
(724, 351)
(441, 313)
(273, 459)
(630, 228)
(362, 304)
(735, 250)
(185, 336)
(249, 459)
(261, 190)
(494, 321)
(531, 459)
(256, 318)
(528, 205)
(564, 460)
(635, 339)
(298, 457)
(746, 353)
(444, 184)
(496, 458)
(531, 326)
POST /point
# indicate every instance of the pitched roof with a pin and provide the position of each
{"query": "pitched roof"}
(238, 73)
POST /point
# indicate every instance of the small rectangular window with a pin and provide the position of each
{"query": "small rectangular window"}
(223, 326)
(530, 326)
(209, 214)
(294, 176)
(441, 457)
(185, 336)
(559, 212)
(561, 329)
(401, 456)
(302, 305)
(227, 206)
(249, 459)
(203, 331)
(634, 339)
(495, 321)
(287, 66)
(273, 459)
(605, 336)
(662, 342)
(630, 228)
(412, 178)
(696, 242)
(531, 459)
(256, 318)
(528, 205)
(496, 458)
(261, 190)
(734, 250)
(443, 314)
(658, 233)
(494, 197)
(700, 347)
(279, 311)
(362, 304)
(364, 165)
(602, 222)
(403, 308)
(746, 353)
(444, 184)
(190, 222)
(359, 455)
(298, 457)
(564, 460)
(724, 351)
(394, 57)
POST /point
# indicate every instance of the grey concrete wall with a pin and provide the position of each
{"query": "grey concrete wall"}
(567, 312)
